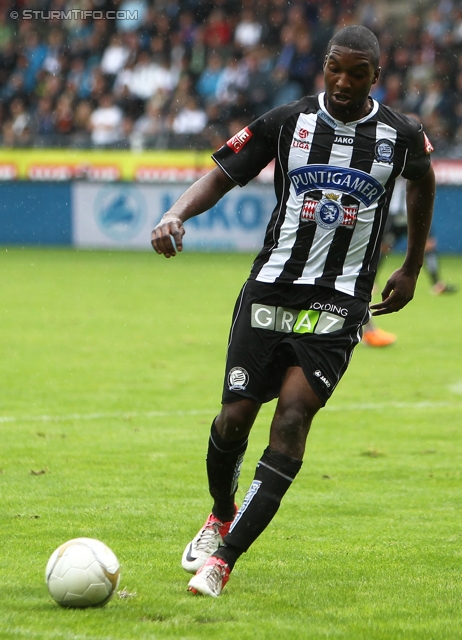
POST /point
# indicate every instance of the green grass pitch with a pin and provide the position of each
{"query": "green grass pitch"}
(111, 372)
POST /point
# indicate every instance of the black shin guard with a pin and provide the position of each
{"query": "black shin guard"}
(274, 475)
(224, 461)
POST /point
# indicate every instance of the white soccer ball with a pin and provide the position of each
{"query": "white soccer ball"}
(82, 572)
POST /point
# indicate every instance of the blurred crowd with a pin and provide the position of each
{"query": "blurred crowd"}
(191, 73)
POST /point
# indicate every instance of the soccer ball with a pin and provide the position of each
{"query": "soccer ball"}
(82, 572)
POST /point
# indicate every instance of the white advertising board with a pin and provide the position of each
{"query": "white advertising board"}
(122, 215)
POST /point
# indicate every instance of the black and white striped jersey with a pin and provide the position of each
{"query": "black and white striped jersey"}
(333, 183)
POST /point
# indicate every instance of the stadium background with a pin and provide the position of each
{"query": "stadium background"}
(109, 109)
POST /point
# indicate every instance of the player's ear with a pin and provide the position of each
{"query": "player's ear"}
(376, 75)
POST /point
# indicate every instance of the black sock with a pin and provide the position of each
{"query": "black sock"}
(274, 475)
(224, 461)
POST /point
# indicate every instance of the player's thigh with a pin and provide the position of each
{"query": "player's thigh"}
(255, 364)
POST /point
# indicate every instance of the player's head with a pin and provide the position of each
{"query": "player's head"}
(351, 66)
(358, 38)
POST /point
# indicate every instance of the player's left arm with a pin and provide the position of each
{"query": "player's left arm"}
(400, 288)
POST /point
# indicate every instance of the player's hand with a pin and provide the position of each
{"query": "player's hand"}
(398, 291)
(161, 237)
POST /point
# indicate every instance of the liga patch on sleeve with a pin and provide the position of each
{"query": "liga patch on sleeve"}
(240, 139)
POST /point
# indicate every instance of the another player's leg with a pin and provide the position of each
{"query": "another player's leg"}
(373, 336)
(226, 449)
(274, 474)
(432, 266)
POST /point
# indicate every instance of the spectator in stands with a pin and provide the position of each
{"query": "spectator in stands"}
(44, 117)
(149, 76)
(191, 119)
(233, 80)
(81, 136)
(208, 81)
(217, 32)
(17, 130)
(35, 52)
(324, 29)
(259, 82)
(197, 54)
(6, 29)
(88, 57)
(64, 115)
(271, 36)
(133, 12)
(115, 56)
(54, 59)
(150, 127)
(249, 30)
(106, 123)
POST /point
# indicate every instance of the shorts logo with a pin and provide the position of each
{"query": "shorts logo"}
(238, 379)
(322, 377)
(384, 151)
(240, 139)
(286, 320)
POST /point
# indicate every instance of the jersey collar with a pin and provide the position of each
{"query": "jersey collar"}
(375, 107)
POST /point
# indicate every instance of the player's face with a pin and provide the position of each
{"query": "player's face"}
(348, 76)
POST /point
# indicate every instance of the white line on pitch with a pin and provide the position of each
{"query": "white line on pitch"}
(210, 412)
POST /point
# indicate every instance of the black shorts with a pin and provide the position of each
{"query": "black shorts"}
(276, 326)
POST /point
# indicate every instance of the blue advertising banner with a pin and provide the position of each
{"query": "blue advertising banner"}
(122, 215)
(35, 213)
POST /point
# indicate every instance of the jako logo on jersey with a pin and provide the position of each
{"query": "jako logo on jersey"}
(384, 151)
(323, 378)
(240, 139)
(347, 180)
(343, 140)
(238, 379)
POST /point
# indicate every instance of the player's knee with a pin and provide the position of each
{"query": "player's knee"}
(292, 425)
(235, 420)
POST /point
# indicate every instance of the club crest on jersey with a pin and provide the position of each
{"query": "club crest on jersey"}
(384, 151)
(240, 139)
(329, 212)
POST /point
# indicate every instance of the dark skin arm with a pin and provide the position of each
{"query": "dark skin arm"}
(200, 197)
(399, 290)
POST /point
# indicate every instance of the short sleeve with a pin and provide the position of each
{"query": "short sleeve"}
(418, 159)
(251, 149)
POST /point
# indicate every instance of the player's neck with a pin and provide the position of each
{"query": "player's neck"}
(353, 115)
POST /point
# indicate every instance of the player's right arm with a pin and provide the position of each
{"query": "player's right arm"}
(200, 197)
